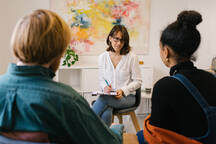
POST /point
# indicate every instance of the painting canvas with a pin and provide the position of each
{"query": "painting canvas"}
(92, 20)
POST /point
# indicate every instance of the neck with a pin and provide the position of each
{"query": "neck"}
(115, 53)
(174, 62)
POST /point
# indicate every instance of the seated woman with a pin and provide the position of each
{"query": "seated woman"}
(178, 116)
(118, 70)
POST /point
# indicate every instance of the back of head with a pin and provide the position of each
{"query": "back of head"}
(40, 37)
(182, 36)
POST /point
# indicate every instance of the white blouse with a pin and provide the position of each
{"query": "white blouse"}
(126, 75)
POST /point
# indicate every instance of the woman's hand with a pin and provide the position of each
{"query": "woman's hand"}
(107, 89)
(120, 94)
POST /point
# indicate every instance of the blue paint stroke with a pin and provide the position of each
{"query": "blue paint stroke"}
(118, 21)
(81, 20)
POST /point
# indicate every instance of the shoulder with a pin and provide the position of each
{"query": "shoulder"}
(65, 94)
(166, 87)
(65, 90)
(167, 82)
(132, 56)
(103, 58)
(48, 88)
(103, 55)
(5, 76)
(209, 74)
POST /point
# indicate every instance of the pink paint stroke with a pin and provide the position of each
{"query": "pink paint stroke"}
(124, 10)
(86, 43)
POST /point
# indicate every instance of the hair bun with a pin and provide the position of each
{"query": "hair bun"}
(189, 18)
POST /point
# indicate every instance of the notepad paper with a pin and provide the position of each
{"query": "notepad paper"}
(103, 93)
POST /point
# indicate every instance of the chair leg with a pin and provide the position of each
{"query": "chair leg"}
(135, 121)
(113, 118)
(120, 118)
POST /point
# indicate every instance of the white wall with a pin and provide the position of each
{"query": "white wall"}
(165, 12)
(207, 29)
(10, 12)
(162, 13)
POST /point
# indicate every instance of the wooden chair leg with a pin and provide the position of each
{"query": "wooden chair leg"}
(120, 118)
(135, 121)
(113, 118)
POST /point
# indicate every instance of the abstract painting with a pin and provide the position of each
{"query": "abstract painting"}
(92, 20)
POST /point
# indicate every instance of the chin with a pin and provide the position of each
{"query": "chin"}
(117, 49)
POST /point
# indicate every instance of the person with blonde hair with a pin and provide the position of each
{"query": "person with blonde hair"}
(35, 108)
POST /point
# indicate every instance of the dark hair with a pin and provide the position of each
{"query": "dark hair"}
(125, 37)
(182, 36)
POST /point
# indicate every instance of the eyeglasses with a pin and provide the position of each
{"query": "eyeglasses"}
(116, 39)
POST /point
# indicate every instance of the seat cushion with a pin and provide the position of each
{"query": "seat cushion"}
(123, 110)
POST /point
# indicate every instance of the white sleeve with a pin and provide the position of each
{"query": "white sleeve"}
(101, 70)
(135, 76)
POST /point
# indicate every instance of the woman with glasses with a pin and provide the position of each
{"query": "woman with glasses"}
(118, 71)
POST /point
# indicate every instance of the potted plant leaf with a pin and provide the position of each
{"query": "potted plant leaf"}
(70, 57)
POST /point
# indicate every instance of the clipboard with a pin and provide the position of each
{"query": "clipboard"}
(112, 93)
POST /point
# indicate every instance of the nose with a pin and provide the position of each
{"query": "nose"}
(118, 42)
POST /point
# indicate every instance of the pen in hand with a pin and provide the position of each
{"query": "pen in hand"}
(107, 83)
(107, 88)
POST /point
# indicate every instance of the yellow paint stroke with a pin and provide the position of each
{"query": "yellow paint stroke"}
(100, 25)
(100, 16)
(101, 7)
(79, 34)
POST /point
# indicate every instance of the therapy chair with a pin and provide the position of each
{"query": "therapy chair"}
(129, 111)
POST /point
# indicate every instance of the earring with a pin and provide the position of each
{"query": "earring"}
(167, 60)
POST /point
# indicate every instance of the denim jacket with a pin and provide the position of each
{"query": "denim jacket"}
(31, 101)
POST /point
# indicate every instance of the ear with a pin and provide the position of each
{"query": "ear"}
(166, 51)
(110, 38)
